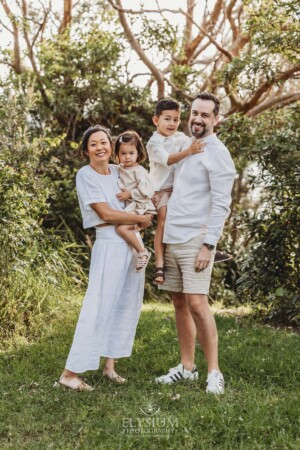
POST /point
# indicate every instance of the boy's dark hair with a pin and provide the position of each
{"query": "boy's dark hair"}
(212, 97)
(166, 104)
(87, 134)
(130, 137)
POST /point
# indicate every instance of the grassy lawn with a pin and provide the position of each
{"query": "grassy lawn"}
(260, 410)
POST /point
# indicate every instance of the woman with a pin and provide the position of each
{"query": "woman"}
(111, 307)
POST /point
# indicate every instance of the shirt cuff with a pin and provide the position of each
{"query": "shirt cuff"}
(211, 239)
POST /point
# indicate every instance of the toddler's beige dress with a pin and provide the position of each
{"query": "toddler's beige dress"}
(136, 180)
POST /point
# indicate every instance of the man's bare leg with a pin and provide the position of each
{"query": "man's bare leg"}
(186, 330)
(206, 328)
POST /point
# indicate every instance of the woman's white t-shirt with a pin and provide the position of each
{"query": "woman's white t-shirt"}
(92, 187)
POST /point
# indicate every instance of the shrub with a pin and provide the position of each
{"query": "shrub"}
(270, 269)
(33, 261)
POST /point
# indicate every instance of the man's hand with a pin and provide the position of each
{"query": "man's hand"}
(124, 195)
(203, 259)
(146, 221)
(196, 147)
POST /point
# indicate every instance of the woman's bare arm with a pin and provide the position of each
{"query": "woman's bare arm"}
(115, 217)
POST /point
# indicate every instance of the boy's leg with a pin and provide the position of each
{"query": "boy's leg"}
(159, 246)
(127, 232)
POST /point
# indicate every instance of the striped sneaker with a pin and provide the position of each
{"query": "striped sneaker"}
(178, 373)
(215, 382)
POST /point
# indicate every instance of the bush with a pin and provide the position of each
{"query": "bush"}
(270, 268)
(33, 261)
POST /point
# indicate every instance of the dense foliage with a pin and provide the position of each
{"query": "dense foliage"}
(269, 215)
(35, 265)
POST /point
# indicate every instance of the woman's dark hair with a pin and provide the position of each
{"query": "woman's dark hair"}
(87, 134)
(130, 137)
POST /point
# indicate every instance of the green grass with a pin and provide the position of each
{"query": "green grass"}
(260, 409)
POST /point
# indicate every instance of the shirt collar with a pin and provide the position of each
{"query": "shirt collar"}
(160, 137)
(211, 137)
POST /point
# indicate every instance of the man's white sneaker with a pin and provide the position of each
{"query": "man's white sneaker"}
(215, 382)
(178, 373)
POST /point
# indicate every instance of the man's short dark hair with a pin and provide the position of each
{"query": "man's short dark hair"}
(166, 104)
(213, 98)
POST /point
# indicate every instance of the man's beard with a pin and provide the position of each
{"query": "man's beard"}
(200, 133)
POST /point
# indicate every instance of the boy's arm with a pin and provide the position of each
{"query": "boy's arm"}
(196, 147)
(157, 153)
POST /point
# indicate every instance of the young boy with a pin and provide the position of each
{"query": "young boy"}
(164, 152)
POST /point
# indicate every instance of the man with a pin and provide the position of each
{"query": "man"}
(196, 214)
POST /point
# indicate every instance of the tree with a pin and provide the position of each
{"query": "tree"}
(244, 51)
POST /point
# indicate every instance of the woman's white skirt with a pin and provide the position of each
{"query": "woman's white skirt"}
(112, 304)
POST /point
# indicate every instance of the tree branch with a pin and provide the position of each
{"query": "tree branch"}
(137, 48)
(178, 11)
(275, 101)
(177, 89)
(17, 63)
(6, 27)
(31, 55)
(233, 26)
(138, 75)
(188, 23)
(67, 17)
(41, 27)
(281, 76)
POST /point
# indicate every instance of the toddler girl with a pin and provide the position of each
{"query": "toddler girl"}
(136, 189)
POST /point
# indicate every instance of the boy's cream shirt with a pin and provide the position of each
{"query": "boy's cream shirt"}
(159, 149)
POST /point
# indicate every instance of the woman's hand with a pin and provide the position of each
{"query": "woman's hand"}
(124, 195)
(146, 221)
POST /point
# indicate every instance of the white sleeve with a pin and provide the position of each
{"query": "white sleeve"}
(89, 190)
(144, 186)
(221, 172)
(157, 153)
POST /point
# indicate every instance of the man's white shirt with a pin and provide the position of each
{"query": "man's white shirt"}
(201, 194)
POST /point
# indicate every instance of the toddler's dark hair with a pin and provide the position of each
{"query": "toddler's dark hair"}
(87, 134)
(130, 137)
(166, 104)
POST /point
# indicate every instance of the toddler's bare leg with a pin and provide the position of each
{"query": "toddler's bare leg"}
(127, 232)
(159, 246)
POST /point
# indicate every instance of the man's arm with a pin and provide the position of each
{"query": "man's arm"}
(221, 173)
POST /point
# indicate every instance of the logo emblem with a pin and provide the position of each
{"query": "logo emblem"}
(149, 410)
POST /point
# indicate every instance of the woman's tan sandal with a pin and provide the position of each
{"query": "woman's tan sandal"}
(159, 272)
(142, 260)
(74, 382)
(113, 376)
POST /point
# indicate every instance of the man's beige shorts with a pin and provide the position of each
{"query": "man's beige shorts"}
(180, 273)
